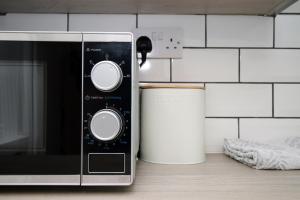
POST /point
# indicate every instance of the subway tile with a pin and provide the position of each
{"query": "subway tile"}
(216, 130)
(264, 130)
(155, 70)
(239, 31)
(287, 100)
(294, 8)
(102, 22)
(287, 31)
(206, 65)
(192, 25)
(238, 100)
(33, 22)
(270, 65)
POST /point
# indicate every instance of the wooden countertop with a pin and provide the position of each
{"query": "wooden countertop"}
(220, 178)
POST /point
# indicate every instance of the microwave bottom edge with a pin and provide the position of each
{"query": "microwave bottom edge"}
(66, 180)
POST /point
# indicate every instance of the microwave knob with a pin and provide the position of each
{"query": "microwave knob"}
(106, 125)
(106, 76)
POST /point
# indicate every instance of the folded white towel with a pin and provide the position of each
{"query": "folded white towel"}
(284, 155)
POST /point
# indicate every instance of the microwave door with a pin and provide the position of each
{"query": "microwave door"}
(40, 109)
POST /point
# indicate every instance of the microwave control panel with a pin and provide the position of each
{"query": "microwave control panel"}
(107, 108)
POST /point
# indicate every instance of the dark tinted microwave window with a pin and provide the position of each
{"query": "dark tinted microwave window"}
(22, 107)
(40, 107)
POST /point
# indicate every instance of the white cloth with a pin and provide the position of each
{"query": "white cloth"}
(284, 155)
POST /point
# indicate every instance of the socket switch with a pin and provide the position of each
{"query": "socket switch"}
(166, 42)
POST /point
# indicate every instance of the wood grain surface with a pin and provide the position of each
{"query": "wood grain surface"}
(220, 178)
(248, 7)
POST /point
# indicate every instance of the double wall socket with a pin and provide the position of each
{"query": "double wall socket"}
(166, 42)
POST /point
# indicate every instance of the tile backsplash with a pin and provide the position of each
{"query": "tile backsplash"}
(238, 100)
(287, 31)
(269, 128)
(249, 64)
(217, 129)
(33, 22)
(287, 100)
(192, 25)
(201, 65)
(94, 22)
(239, 31)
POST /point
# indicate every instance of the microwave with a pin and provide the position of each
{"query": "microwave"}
(68, 108)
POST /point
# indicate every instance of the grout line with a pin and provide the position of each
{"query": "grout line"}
(154, 81)
(296, 48)
(239, 66)
(171, 66)
(286, 82)
(273, 32)
(156, 58)
(239, 134)
(273, 100)
(207, 82)
(205, 32)
(68, 22)
(224, 117)
(288, 14)
(221, 82)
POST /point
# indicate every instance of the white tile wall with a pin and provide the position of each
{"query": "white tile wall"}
(239, 100)
(226, 101)
(287, 31)
(239, 31)
(206, 65)
(270, 65)
(287, 100)
(193, 26)
(264, 130)
(218, 129)
(102, 22)
(155, 70)
(295, 8)
(33, 22)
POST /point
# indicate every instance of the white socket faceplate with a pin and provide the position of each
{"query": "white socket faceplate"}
(166, 42)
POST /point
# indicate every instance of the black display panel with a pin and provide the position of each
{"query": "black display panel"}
(118, 100)
(40, 107)
(106, 163)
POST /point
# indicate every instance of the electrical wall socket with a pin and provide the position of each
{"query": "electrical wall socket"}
(166, 42)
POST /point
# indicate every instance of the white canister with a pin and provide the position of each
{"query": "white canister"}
(172, 123)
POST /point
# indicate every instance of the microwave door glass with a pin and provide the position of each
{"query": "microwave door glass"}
(21, 107)
(40, 107)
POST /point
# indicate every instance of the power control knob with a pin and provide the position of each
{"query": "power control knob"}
(106, 124)
(106, 76)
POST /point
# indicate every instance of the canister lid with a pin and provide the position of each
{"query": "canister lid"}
(172, 85)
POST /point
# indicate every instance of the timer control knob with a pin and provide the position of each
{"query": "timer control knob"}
(106, 124)
(106, 76)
